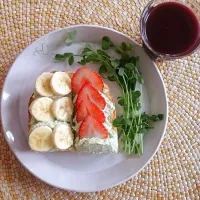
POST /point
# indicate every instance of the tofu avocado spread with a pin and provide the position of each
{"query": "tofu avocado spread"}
(95, 144)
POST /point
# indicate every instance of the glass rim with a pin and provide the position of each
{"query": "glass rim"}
(144, 16)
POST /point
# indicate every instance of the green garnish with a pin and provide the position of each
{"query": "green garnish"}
(63, 57)
(71, 37)
(125, 71)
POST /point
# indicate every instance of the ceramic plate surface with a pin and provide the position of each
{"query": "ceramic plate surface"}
(76, 171)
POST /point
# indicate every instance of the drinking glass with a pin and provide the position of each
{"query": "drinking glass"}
(194, 6)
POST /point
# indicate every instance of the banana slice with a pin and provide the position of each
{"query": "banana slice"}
(62, 136)
(40, 139)
(62, 109)
(42, 84)
(61, 83)
(41, 109)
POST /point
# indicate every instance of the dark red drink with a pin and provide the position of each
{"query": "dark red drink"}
(172, 28)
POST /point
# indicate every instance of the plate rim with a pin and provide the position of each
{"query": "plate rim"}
(165, 96)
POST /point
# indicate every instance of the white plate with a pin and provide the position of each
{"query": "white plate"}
(76, 171)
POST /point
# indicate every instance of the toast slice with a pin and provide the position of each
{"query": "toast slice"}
(109, 145)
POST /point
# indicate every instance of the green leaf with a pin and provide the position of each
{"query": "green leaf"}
(126, 47)
(92, 57)
(106, 43)
(115, 63)
(121, 101)
(71, 60)
(119, 121)
(128, 121)
(132, 83)
(118, 51)
(140, 79)
(71, 37)
(121, 71)
(106, 38)
(59, 57)
(89, 46)
(161, 116)
(130, 66)
(136, 95)
(82, 62)
(133, 60)
(110, 71)
(142, 130)
(125, 57)
(154, 118)
(86, 50)
(67, 55)
(129, 47)
(123, 46)
(111, 78)
(102, 69)
(102, 53)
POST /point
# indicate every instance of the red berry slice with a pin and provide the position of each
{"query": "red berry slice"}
(85, 108)
(89, 92)
(91, 127)
(85, 75)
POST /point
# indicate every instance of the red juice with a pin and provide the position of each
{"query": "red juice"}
(172, 28)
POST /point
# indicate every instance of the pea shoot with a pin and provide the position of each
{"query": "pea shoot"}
(133, 124)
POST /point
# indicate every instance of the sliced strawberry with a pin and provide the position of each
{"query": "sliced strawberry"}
(91, 127)
(89, 92)
(86, 75)
(85, 108)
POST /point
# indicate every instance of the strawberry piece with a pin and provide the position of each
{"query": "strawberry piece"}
(86, 75)
(91, 127)
(85, 108)
(89, 92)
